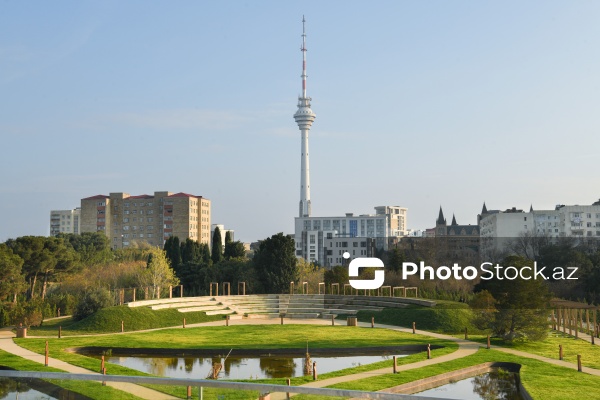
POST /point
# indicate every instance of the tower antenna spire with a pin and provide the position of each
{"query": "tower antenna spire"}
(304, 118)
(303, 49)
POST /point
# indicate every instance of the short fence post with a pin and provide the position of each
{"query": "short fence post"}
(332, 320)
(428, 351)
(395, 365)
(579, 368)
(180, 290)
(414, 327)
(189, 393)
(560, 352)
(58, 312)
(314, 370)
(372, 322)
(289, 383)
(46, 354)
(59, 331)
(122, 327)
(184, 323)
(102, 365)
(466, 334)
(281, 316)
(488, 341)
(227, 320)
(104, 373)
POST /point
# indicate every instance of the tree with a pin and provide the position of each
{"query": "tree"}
(275, 263)
(173, 251)
(12, 282)
(190, 251)
(484, 309)
(522, 304)
(234, 250)
(228, 238)
(217, 246)
(92, 247)
(395, 258)
(158, 272)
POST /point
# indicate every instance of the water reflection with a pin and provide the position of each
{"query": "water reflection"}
(495, 385)
(237, 367)
(25, 389)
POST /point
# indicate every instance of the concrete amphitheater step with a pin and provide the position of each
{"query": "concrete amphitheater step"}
(187, 304)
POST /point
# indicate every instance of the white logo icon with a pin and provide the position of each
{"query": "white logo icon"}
(365, 262)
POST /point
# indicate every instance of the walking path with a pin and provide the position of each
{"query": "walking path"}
(465, 348)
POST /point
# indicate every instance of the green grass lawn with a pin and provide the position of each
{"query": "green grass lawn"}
(108, 320)
(590, 355)
(95, 390)
(241, 336)
(542, 380)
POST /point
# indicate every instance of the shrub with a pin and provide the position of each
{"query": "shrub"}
(91, 302)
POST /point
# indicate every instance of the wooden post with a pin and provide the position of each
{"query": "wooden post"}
(102, 365)
(466, 334)
(133, 294)
(314, 371)
(46, 351)
(488, 341)
(428, 351)
(372, 322)
(414, 327)
(595, 311)
(395, 365)
(189, 393)
(146, 293)
(227, 320)
(577, 323)
(332, 320)
(104, 373)
(122, 327)
(560, 352)
(587, 321)
(281, 316)
(180, 290)
(570, 314)
(170, 291)
(289, 383)
(58, 312)
(579, 368)
(184, 323)
(59, 331)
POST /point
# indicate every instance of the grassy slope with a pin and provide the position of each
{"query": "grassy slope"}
(445, 317)
(109, 320)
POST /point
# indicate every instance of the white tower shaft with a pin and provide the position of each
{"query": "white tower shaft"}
(304, 118)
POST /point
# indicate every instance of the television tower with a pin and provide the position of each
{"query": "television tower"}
(304, 118)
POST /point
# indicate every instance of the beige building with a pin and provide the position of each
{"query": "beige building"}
(65, 221)
(148, 219)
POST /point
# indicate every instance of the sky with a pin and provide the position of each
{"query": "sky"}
(419, 104)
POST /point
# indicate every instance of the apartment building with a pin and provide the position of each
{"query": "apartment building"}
(65, 221)
(128, 220)
(311, 233)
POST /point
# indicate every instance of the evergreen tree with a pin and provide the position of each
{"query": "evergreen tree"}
(173, 251)
(275, 263)
(217, 246)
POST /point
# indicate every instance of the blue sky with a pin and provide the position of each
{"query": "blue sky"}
(418, 103)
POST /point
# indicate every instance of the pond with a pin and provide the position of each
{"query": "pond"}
(247, 367)
(497, 384)
(34, 389)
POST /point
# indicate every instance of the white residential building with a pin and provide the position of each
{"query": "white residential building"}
(65, 221)
(314, 235)
(499, 227)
